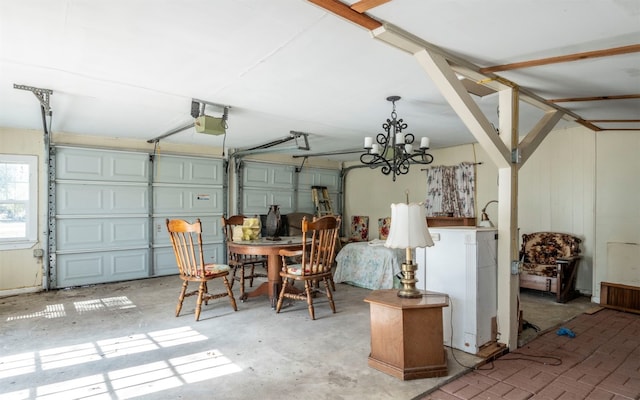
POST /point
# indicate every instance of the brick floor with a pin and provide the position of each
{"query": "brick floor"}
(601, 363)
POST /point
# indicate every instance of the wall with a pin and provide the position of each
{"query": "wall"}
(557, 193)
(19, 270)
(617, 223)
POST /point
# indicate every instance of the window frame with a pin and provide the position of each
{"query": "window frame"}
(31, 234)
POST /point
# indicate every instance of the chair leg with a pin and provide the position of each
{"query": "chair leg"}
(253, 271)
(201, 292)
(329, 294)
(230, 293)
(308, 287)
(242, 282)
(233, 276)
(281, 296)
(181, 297)
(333, 284)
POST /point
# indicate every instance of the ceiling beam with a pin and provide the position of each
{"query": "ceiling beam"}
(471, 115)
(364, 5)
(613, 120)
(530, 143)
(596, 98)
(634, 48)
(588, 124)
(412, 44)
(347, 13)
(620, 129)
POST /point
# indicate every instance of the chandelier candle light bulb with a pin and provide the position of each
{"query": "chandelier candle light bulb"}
(368, 141)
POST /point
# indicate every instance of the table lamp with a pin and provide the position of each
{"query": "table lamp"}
(408, 231)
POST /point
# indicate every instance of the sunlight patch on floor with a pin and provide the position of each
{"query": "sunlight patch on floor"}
(117, 303)
(81, 307)
(76, 354)
(50, 311)
(133, 381)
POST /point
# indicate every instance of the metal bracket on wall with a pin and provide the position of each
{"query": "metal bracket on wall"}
(42, 95)
(299, 169)
(516, 156)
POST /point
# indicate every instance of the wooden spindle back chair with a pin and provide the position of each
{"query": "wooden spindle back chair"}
(186, 240)
(319, 238)
(243, 266)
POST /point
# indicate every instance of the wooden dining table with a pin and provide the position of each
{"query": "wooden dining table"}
(271, 249)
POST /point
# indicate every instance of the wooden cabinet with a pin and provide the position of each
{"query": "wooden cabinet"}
(434, 222)
(406, 334)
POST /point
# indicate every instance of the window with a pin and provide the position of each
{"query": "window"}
(18, 201)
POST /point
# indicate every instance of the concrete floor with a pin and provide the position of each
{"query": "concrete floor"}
(542, 310)
(122, 340)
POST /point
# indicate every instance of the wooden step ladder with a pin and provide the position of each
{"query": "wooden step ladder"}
(322, 201)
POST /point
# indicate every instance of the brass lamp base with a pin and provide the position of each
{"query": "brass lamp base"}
(409, 282)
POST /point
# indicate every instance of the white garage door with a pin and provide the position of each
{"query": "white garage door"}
(187, 188)
(110, 208)
(264, 184)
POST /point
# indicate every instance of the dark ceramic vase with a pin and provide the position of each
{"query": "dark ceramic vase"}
(273, 222)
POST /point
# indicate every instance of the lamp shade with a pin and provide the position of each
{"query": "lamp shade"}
(408, 227)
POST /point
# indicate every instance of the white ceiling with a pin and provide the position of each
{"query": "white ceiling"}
(130, 68)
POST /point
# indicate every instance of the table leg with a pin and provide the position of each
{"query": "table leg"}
(262, 289)
(272, 286)
(274, 282)
(274, 265)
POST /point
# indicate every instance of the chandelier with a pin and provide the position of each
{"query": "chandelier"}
(393, 150)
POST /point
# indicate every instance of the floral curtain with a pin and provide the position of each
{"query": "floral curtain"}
(451, 189)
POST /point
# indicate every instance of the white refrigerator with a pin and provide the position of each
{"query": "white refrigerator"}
(463, 264)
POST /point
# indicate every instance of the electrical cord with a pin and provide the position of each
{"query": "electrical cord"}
(526, 325)
(556, 360)
(527, 357)
(523, 356)
(453, 353)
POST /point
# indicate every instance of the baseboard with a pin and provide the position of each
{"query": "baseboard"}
(620, 297)
(15, 292)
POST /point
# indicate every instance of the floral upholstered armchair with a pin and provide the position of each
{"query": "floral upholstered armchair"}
(550, 263)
